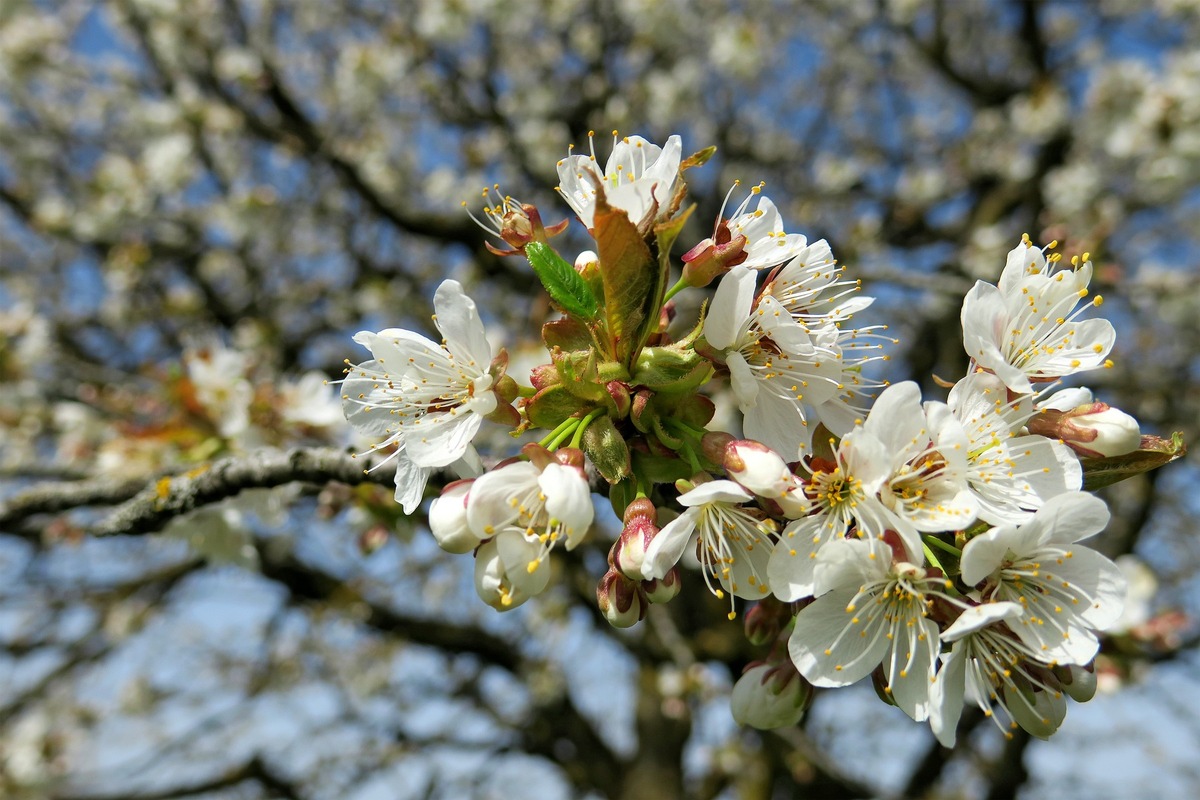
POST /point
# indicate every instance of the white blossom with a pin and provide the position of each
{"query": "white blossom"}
(547, 504)
(734, 541)
(870, 610)
(639, 178)
(426, 399)
(987, 665)
(1066, 590)
(1026, 328)
(1011, 474)
(503, 579)
(774, 367)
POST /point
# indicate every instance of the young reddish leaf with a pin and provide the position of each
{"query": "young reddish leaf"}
(630, 277)
(1154, 453)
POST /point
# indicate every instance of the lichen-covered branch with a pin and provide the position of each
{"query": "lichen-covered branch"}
(147, 506)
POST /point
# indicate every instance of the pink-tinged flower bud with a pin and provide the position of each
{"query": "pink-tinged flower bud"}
(448, 519)
(1094, 430)
(664, 589)
(713, 444)
(618, 391)
(764, 472)
(714, 256)
(586, 262)
(769, 696)
(765, 619)
(621, 601)
(640, 528)
(372, 539)
(543, 376)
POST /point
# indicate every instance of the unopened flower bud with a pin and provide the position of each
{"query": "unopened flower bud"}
(1093, 430)
(543, 376)
(587, 262)
(769, 696)
(640, 528)
(664, 589)
(764, 472)
(764, 620)
(714, 256)
(618, 391)
(621, 601)
(372, 539)
(448, 519)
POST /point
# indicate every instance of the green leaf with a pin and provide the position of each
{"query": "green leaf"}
(1154, 453)
(567, 288)
(629, 274)
(659, 469)
(665, 235)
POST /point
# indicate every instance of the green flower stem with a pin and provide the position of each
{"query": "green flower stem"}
(685, 428)
(693, 461)
(526, 391)
(936, 542)
(578, 437)
(676, 289)
(931, 557)
(558, 434)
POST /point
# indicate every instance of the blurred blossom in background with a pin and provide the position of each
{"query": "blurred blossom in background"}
(201, 202)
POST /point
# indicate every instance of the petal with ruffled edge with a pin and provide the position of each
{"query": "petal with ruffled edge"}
(459, 322)
(411, 479)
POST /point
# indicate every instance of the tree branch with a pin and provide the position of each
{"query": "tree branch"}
(147, 506)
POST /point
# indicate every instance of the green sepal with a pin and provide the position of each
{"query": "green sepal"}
(659, 469)
(552, 405)
(694, 410)
(671, 369)
(666, 437)
(621, 494)
(606, 449)
(579, 373)
(1154, 453)
(567, 334)
(566, 287)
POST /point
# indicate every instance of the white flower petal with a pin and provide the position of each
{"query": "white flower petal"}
(730, 307)
(832, 645)
(667, 547)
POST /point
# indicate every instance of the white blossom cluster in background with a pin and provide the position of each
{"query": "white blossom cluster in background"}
(934, 545)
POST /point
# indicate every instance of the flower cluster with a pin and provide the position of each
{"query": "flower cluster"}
(932, 545)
